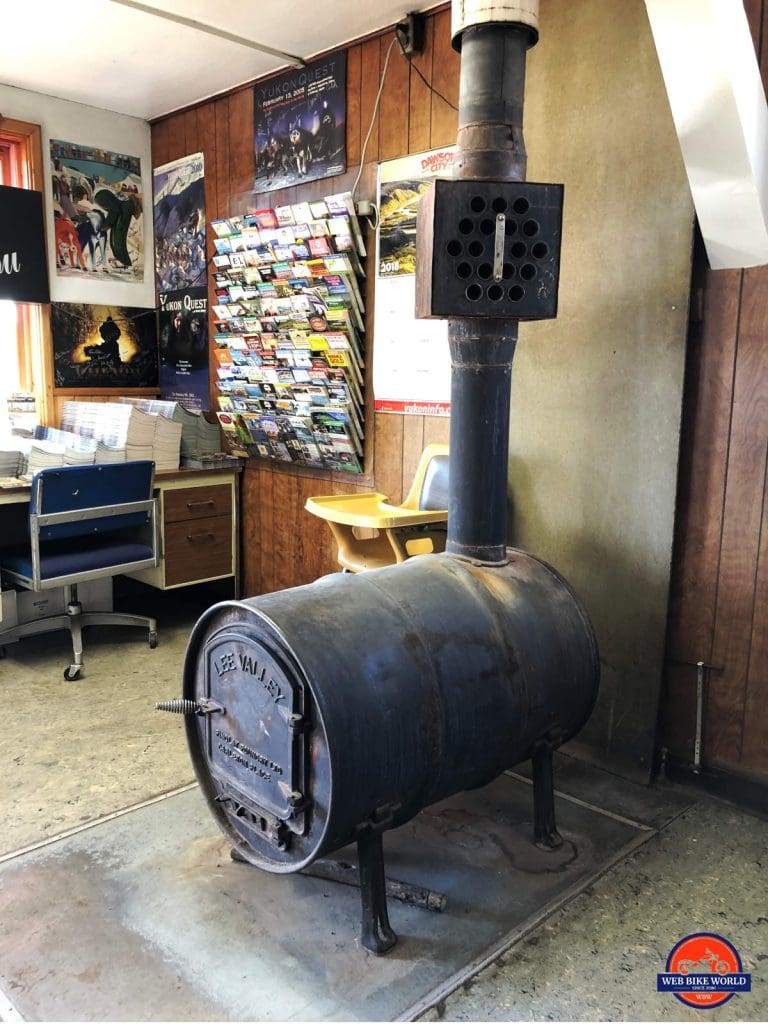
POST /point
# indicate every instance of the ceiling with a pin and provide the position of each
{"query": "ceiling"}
(133, 62)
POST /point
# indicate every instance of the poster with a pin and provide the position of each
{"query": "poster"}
(179, 203)
(23, 268)
(299, 124)
(178, 193)
(184, 348)
(103, 346)
(97, 213)
(411, 365)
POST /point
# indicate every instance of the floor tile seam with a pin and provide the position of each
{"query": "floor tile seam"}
(587, 805)
(77, 829)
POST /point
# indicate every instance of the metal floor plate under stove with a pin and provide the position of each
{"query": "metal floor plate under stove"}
(145, 917)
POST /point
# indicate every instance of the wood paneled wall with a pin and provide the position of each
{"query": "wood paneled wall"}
(719, 590)
(282, 544)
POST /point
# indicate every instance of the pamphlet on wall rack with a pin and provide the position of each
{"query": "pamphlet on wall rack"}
(289, 333)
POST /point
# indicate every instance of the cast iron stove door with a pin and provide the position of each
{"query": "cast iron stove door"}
(255, 744)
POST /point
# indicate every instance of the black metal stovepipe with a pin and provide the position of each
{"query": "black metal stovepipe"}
(489, 146)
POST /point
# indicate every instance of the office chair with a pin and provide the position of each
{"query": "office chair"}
(85, 523)
(416, 527)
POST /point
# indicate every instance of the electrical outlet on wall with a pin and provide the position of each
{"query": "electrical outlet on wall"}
(410, 34)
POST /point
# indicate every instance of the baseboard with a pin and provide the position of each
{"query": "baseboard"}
(743, 790)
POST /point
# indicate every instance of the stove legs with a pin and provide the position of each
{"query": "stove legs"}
(376, 934)
(545, 832)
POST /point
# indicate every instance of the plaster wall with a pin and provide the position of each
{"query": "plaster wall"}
(103, 129)
(597, 393)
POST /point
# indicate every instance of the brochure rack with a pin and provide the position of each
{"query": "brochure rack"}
(289, 341)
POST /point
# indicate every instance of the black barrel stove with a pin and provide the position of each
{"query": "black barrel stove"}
(326, 714)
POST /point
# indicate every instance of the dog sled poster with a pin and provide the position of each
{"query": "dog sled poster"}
(103, 346)
(97, 213)
(300, 124)
(179, 202)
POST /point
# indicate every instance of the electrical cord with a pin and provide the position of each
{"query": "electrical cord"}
(373, 116)
(409, 58)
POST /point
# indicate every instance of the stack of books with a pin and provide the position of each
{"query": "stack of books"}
(289, 333)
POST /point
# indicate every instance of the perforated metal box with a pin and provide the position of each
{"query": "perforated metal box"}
(488, 249)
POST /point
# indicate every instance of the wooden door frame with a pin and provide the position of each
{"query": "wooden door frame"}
(34, 320)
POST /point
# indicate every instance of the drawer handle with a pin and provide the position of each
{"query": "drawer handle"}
(201, 536)
(201, 504)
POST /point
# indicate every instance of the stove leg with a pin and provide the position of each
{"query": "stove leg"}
(376, 933)
(545, 834)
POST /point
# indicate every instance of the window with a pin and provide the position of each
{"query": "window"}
(10, 377)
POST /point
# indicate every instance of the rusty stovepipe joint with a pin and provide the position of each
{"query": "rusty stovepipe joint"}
(490, 146)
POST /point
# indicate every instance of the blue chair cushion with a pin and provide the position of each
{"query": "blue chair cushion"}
(58, 558)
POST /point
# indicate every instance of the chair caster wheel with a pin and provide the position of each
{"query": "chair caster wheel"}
(152, 641)
(71, 673)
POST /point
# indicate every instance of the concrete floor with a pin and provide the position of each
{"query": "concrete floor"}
(597, 959)
(73, 752)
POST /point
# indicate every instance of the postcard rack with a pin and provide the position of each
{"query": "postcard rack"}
(289, 341)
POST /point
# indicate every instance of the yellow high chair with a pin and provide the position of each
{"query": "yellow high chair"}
(416, 527)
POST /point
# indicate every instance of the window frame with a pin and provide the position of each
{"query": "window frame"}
(21, 156)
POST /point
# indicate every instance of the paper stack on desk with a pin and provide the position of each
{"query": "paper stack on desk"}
(53, 448)
(167, 443)
(45, 455)
(123, 426)
(198, 436)
(10, 461)
(139, 438)
(106, 455)
(103, 421)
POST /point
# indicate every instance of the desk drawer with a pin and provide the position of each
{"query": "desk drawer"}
(185, 503)
(198, 549)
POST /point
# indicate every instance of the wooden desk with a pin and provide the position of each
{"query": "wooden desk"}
(198, 522)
